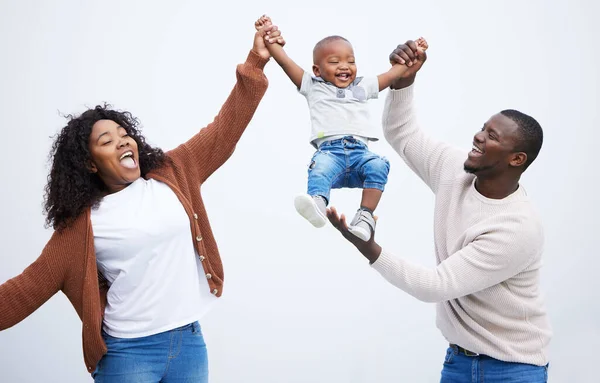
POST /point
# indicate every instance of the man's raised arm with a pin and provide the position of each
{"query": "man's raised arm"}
(431, 160)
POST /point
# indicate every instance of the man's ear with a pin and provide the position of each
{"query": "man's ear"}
(518, 159)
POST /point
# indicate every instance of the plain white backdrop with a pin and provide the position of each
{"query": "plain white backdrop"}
(301, 304)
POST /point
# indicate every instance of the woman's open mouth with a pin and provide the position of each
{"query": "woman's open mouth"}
(127, 160)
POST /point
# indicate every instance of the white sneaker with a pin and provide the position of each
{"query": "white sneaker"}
(312, 208)
(362, 224)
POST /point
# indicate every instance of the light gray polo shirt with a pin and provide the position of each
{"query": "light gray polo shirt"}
(339, 111)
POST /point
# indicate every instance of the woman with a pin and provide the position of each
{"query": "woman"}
(130, 217)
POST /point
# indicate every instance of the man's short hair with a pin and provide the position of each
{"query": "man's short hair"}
(530, 132)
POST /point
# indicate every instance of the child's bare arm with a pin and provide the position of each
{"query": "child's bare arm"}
(291, 69)
(397, 70)
(386, 79)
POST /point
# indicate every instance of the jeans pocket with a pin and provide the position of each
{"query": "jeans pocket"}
(449, 355)
(96, 370)
(196, 329)
(111, 339)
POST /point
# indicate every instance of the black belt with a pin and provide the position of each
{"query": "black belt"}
(463, 350)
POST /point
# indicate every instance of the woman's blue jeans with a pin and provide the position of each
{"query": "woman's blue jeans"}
(175, 356)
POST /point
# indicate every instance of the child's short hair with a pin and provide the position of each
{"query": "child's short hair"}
(326, 41)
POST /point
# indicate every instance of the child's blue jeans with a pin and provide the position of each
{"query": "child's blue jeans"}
(346, 163)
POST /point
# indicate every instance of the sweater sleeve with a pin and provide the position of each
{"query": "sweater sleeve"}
(215, 143)
(490, 259)
(25, 293)
(431, 160)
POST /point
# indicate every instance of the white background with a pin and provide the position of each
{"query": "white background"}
(301, 304)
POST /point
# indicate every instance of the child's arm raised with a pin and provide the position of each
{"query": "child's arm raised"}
(397, 70)
(293, 70)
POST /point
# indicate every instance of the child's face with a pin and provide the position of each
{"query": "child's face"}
(335, 63)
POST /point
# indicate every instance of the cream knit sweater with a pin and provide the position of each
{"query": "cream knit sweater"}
(488, 252)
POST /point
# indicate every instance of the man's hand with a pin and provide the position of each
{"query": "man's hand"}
(370, 249)
(266, 32)
(412, 53)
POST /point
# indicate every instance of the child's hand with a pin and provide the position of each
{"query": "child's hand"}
(421, 45)
(262, 22)
(266, 33)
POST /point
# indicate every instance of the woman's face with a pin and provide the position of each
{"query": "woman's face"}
(115, 155)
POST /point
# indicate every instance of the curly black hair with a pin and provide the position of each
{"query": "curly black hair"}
(71, 187)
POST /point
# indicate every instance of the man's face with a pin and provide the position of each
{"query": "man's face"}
(494, 147)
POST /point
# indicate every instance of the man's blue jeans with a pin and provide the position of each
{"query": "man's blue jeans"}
(175, 356)
(346, 163)
(460, 368)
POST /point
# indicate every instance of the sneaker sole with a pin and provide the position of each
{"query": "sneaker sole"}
(306, 207)
(360, 233)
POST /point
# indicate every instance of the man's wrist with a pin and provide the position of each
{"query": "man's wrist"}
(402, 82)
(372, 252)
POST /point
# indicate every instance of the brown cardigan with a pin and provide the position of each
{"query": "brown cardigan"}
(68, 261)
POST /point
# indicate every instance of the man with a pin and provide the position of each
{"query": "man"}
(488, 240)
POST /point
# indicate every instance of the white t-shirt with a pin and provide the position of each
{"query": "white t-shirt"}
(339, 111)
(144, 249)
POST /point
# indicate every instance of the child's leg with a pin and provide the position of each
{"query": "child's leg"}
(373, 170)
(325, 166)
(370, 199)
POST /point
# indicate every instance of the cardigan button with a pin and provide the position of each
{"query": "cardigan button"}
(208, 276)
(195, 216)
(215, 291)
(202, 258)
(198, 238)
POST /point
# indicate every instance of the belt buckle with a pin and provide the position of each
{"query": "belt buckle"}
(463, 350)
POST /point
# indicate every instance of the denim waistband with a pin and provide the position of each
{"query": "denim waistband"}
(194, 326)
(457, 349)
(338, 141)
